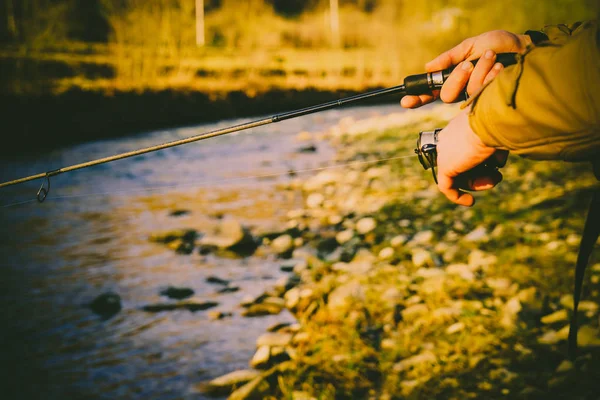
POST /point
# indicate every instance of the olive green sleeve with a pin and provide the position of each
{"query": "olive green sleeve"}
(548, 105)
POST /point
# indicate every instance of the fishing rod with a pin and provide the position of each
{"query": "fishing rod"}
(419, 84)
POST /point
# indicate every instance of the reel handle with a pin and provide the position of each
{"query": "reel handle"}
(428, 82)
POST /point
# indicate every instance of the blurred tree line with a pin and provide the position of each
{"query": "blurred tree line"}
(232, 22)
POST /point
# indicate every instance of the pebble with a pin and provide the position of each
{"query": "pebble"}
(365, 225)
(314, 200)
(386, 253)
(344, 236)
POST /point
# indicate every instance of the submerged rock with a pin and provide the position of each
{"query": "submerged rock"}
(178, 293)
(190, 306)
(216, 280)
(106, 305)
(186, 235)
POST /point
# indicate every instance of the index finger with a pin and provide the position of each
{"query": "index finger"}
(451, 57)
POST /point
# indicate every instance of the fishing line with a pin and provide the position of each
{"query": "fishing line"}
(222, 181)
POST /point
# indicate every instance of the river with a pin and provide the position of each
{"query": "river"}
(91, 237)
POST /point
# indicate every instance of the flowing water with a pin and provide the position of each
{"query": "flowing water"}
(91, 237)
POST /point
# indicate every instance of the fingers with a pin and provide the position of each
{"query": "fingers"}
(446, 186)
(416, 101)
(456, 82)
(483, 68)
(450, 57)
(483, 182)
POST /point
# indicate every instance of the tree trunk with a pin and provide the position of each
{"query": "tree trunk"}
(334, 23)
(200, 38)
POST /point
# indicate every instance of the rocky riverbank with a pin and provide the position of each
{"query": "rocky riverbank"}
(399, 294)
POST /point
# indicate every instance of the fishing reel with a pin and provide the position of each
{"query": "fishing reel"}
(427, 150)
(427, 153)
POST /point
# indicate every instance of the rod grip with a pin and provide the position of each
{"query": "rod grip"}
(428, 82)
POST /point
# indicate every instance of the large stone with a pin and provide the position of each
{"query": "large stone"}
(230, 235)
(272, 339)
(228, 382)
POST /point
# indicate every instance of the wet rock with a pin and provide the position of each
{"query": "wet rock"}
(272, 339)
(178, 293)
(260, 360)
(186, 235)
(228, 289)
(179, 213)
(181, 246)
(307, 149)
(190, 306)
(205, 249)
(228, 382)
(278, 326)
(106, 305)
(283, 245)
(261, 309)
(365, 225)
(231, 235)
(216, 280)
(218, 315)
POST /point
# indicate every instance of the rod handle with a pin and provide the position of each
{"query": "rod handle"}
(427, 82)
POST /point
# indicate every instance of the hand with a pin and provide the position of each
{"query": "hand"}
(460, 150)
(484, 47)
